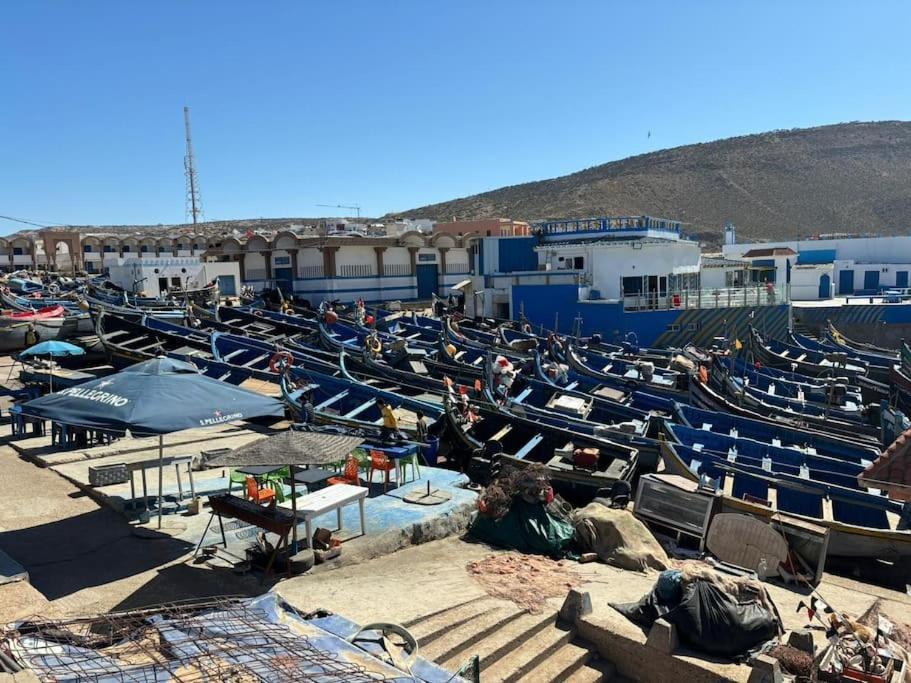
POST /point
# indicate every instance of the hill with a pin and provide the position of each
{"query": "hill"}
(853, 177)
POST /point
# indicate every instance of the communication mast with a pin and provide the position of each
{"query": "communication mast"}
(194, 205)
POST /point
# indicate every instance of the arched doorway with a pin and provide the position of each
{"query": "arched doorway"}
(825, 286)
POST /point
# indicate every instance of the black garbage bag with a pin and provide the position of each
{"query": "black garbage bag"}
(707, 619)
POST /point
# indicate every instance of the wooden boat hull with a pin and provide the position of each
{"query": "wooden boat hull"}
(845, 540)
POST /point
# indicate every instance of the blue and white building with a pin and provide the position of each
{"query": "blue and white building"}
(628, 276)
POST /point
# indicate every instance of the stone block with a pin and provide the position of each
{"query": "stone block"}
(765, 670)
(577, 604)
(802, 639)
(663, 637)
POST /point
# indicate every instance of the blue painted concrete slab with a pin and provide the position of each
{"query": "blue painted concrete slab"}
(382, 512)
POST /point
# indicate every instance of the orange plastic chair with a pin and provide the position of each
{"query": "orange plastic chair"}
(379, 461)
(258, 495)
(351, 473)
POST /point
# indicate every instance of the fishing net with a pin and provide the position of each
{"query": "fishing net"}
(531, 483)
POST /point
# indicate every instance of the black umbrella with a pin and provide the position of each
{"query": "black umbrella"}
(291, 447)
(155, 397)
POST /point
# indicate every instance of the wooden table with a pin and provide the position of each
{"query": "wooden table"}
(330, 498)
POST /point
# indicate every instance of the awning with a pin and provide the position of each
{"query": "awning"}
(683, 270)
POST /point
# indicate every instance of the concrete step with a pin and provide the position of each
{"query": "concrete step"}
(429, 628)
(529, 654)
(595, 670)
(562, 664)
(502, 640)
(586, 674)
(458, 641)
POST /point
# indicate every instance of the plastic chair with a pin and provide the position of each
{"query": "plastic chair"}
(350, 474)
(258, 495)
(415, 461)
(276, 480)
(379, 461)
(235, 477)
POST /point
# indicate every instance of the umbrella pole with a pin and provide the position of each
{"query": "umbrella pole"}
(160, 473)
(50, 374)
(293, 512)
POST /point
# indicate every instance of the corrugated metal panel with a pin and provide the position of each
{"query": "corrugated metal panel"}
(518, 253)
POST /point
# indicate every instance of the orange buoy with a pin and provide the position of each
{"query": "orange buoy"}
(330, 318)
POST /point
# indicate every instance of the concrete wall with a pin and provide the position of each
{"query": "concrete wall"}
(805, 281)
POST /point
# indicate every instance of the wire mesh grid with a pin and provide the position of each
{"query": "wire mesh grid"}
(217, 640)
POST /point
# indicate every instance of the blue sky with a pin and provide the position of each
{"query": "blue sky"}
(393, 105)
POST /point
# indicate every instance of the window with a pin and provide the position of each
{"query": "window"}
(87, 248)
(126, 248)
(175, 282)
(179, 246)
(692, 327)
(632, 286)
(579, 263)
(144, 248)
(17, 251)
(673, 327)
(108, 249)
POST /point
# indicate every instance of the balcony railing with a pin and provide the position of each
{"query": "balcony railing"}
(724, 297)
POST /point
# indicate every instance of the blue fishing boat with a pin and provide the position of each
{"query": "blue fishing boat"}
(861, 524)
(775, 434)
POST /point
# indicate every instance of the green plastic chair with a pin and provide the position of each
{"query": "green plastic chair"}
(277, 479)
(415, 461)
(362, 457)
(235, 477)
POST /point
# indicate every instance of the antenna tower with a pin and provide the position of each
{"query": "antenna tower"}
(194, 205)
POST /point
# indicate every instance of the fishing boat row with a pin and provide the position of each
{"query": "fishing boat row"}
(770, 426)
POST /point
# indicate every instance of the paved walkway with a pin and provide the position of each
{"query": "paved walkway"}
(83, 557)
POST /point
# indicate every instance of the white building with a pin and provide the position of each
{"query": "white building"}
(844, 265)
(156, 275)
(651, 259)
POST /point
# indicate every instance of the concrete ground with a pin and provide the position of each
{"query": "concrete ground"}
(431, 578)
(85, 558)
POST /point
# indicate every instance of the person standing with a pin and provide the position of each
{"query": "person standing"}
(390, 423)
(421, 427)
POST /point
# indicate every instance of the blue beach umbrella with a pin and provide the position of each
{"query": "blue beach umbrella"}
(155, 397)
(52, 349)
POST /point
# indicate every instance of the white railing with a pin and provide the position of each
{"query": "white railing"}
(357, 270)
(723, 297)
(308, 272)
(396, 269)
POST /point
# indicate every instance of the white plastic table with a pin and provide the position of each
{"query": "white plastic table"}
(333, 497)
